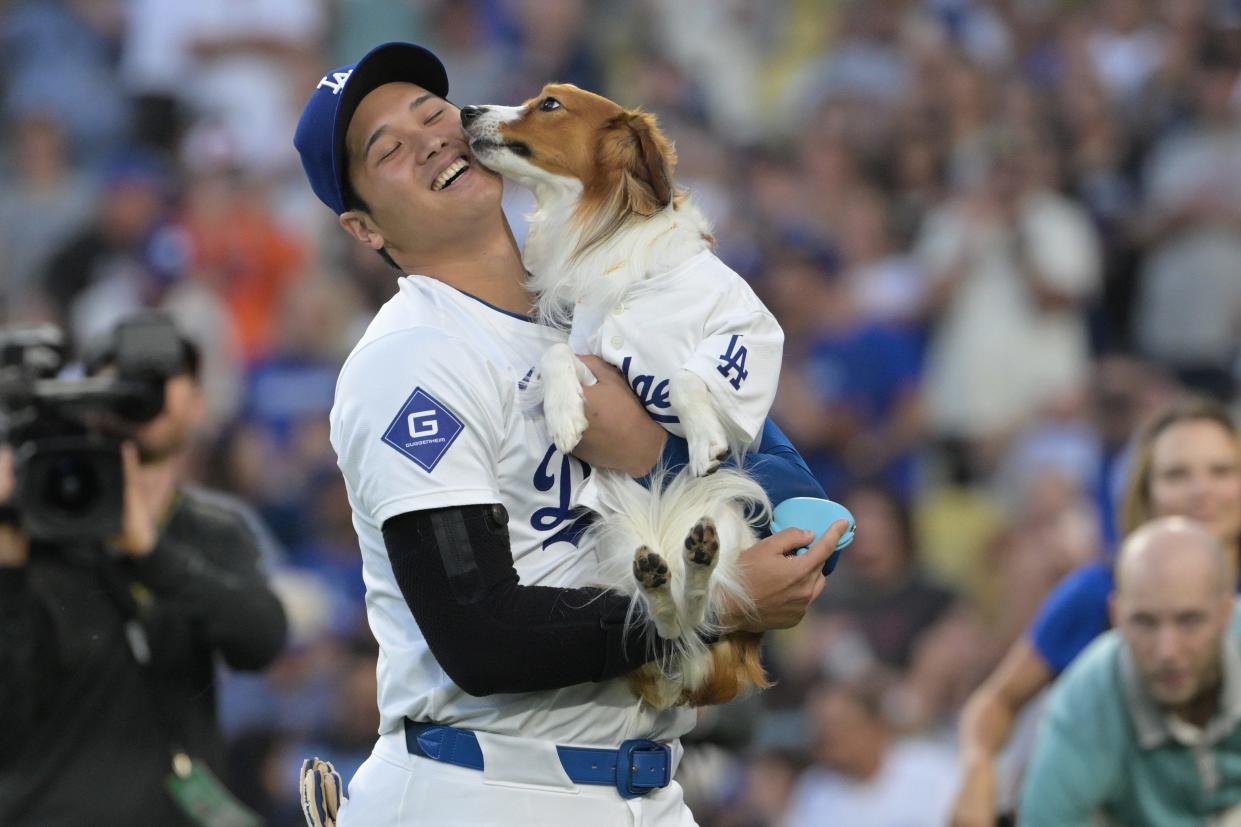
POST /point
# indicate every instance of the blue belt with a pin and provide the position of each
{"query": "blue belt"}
(635, 768)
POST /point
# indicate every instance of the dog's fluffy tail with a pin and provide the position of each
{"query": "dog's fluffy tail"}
(660, 517)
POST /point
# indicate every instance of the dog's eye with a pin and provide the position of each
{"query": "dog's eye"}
(548, 104)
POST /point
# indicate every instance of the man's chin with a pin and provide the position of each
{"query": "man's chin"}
(1173, 691)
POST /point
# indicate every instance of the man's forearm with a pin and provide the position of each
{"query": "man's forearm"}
(241, 617)
(986, 723)
(619, 433)
(489, 632)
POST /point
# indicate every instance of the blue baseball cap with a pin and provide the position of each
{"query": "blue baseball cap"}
(320, 136)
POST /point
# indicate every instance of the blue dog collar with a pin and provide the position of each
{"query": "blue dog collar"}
(635, 768)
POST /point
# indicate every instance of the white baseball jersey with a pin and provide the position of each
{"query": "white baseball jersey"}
(438, 406)
(701, 316)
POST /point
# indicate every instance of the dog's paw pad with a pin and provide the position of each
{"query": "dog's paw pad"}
(649, 569)
(702, 544)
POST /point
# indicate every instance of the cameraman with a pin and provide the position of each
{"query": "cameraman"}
(107, 650)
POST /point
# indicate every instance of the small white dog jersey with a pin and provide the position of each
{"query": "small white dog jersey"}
(701, 316)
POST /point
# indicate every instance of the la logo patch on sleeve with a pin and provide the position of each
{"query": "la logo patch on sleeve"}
(423, 430)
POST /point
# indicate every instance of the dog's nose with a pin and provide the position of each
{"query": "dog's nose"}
(469, 113)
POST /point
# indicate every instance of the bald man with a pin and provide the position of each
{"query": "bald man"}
(1145, 727)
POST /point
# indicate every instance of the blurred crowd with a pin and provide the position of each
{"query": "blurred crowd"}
(998, 236)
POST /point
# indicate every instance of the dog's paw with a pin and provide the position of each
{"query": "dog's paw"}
(707, 449)
(564, 410)
(650, 570)
(654, 578)
(566, 424)
(702, 550)
(704, 430)
(702, 544)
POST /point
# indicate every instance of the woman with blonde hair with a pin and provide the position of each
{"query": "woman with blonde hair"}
(1186, 461)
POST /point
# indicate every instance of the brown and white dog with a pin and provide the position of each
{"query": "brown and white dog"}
(623, 260)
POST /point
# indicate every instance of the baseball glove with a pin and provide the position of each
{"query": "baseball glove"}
(321, 791)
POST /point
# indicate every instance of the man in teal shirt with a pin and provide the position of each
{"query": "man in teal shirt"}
(1145, 727)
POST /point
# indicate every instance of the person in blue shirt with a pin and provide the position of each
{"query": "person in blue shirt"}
(1187, 462)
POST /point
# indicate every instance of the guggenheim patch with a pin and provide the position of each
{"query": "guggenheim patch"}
(423, 430)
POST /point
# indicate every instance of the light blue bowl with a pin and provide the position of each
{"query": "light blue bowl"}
(813, 514)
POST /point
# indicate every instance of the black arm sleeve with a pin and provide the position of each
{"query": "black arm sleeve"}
(490, 633)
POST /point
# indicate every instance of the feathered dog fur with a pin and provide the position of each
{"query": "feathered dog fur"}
(609, 217)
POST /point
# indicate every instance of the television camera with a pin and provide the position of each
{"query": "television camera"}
(66, 433)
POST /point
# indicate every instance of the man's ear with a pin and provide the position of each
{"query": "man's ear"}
(1113, 611)
(198, 402)
(360, 225)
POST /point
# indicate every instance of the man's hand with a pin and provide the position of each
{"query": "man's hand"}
(619, 433)
(14, 550)
(8, 478)
(782, 586)
(139, 530)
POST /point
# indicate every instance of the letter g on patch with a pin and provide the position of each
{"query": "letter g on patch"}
(423, 423)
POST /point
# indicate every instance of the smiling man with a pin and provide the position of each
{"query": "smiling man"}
(1145, 728)
(499, 696)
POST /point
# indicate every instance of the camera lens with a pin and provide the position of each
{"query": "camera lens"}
(72, 485)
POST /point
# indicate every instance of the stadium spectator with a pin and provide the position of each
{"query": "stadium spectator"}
(886, 286)
(124, 258)
(238, 250)
(881, 591)
(891, 624)
(60, 56)
(850, 392)
(1143, 729)
(865, 773)
(47, 201)
(1010, 266)
(193, 58)
(1189, 305)
(1187, 461)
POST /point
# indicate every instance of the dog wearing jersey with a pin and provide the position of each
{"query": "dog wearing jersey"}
(624, 261)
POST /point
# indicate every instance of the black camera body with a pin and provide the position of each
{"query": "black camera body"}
(66, 433)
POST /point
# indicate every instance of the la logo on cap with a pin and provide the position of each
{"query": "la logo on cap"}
(336, 83)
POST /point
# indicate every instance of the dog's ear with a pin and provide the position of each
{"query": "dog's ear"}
(648, 164)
